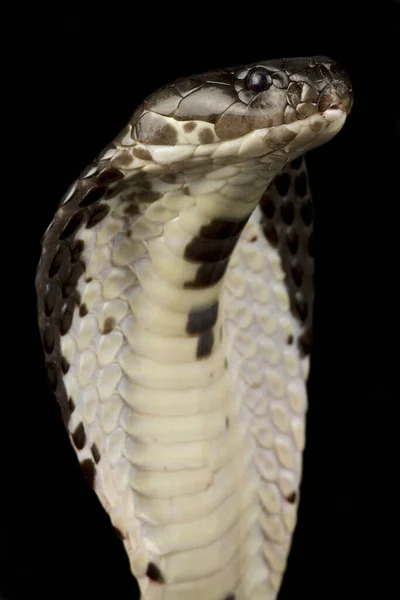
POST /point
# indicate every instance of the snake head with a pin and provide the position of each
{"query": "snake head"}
(289, 105)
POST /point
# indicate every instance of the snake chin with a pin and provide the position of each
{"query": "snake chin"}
(314, 131)
(277, 145)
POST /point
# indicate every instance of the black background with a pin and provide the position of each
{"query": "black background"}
(75, 82)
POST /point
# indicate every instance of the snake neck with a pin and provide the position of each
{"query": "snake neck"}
(178, 236)
(186, 216)
(157, 265)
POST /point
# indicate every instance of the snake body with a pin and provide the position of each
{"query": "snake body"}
(175, 307)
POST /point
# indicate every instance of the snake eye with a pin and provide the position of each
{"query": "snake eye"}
(258, 80)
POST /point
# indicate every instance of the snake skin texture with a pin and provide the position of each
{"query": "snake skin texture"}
(175, 294)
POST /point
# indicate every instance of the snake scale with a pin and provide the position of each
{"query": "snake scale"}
(175, 293)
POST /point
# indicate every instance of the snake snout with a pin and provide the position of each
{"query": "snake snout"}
(338, 93)
(336, 96)
(318, 85)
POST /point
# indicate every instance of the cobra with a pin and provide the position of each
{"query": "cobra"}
(175, 293)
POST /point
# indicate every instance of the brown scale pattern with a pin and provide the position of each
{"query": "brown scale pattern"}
(153, 572)
(58, 273)
(212, 247)
(287, 224)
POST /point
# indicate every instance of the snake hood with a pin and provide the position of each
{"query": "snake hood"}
(276, 99)
(175, 298)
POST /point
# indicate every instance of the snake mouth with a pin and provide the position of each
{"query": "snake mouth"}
(336, 96)
(343, 101)
(333, 113)
(288, 141)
